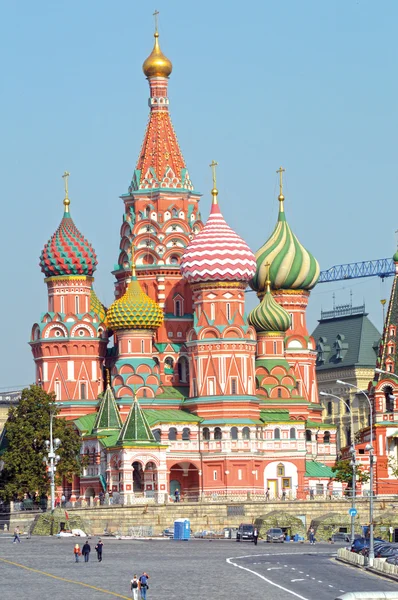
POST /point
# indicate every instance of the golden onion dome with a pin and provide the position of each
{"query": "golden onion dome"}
(157, 64)
(135, 309)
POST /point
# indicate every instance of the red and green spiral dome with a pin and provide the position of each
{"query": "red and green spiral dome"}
(68, 252)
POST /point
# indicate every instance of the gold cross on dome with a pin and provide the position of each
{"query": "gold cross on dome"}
(155, 14)
(267, 268)
(281, 170)
(65, 177)
(213, 166)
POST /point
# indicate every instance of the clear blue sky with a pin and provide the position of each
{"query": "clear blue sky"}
(308, 84)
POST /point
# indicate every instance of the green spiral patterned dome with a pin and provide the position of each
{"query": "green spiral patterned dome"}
(97, 307)
(134, 310)
(269, 315)
(292, 267)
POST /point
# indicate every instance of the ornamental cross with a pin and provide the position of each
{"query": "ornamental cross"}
(133, 254)
(155, 14)
(281, 170)
(213, 166)
(65, 177)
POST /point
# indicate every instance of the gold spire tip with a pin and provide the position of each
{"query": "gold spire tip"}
(108, 378)
(281, 197)
(65, 177)
(214, 191)
(267, 279)
(133, 265)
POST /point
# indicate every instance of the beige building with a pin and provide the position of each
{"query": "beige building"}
(8, 398)
(347, 344)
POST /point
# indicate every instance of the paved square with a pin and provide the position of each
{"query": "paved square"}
(44, 569)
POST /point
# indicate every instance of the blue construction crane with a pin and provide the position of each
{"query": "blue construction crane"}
(383, 267)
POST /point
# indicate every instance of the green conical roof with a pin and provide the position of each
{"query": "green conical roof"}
(108, 417)
(135, 430)
(292, 267)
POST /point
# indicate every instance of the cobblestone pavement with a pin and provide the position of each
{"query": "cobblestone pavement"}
(44, 569)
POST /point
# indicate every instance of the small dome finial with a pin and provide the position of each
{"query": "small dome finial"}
(65, 177)
(281, 197)
(157, 64)
(133, 264)
(214, 191)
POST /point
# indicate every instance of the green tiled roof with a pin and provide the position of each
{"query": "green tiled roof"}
(178, 392)
(135, 430)
(358, 346)
(170, 416)
(231, 422)
(316, 425)
(316, 469)
(269, 416)
(108, 416)
(85, 424)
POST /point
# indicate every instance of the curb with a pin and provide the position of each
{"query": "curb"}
(371, 570)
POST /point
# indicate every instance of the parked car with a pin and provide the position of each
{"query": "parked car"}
(275, 535)
(168, 532)
(360, 543)
(382, 550)
(245, 532)
(392, 560)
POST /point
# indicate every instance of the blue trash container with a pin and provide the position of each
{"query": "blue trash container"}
(182, 529)
(287, 538)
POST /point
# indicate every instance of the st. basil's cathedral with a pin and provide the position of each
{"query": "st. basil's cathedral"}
(174, 386)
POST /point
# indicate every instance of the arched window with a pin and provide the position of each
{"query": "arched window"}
(326, 437)
(142, 347)
(206, 434)
(292, 433)
(246, 433)
(217, 433)
(144, 393)
(277, 433)
(308, 435)
(169, 363)
(62, 303)
(389, 398)
(279, 393)
(212, 311)
(186, 434)
(172, 434)
(147, 212)
(183, 369)
(348, 436)
(129, 346)
(177, 308)
(234, 433)
(228, 311)
(330, 409)
(83, 391)
(157, 434)
(77, 305)
(280, 470)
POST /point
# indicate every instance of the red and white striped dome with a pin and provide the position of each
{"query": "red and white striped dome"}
(217, 253)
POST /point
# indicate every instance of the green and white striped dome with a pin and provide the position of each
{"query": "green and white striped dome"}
(291, 266)
(269, 315)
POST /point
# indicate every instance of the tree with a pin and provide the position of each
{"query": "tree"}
(343, 472)
(23, 448)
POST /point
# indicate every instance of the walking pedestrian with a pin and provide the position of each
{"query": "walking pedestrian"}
(312, 536)
(16, 535)
(135, 587)
(255, 536)
(63, 500)
(76, 552)
(144, 585)
(177, 495)
(284, 495)
(86, 551)
(267, 495)
(98, 549)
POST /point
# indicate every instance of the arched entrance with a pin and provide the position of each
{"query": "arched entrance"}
(150, 479)
(185, 477)
(138, 477)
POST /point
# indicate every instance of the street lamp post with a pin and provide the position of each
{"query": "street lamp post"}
(52, 459)
(369, 448)
(353, 462)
